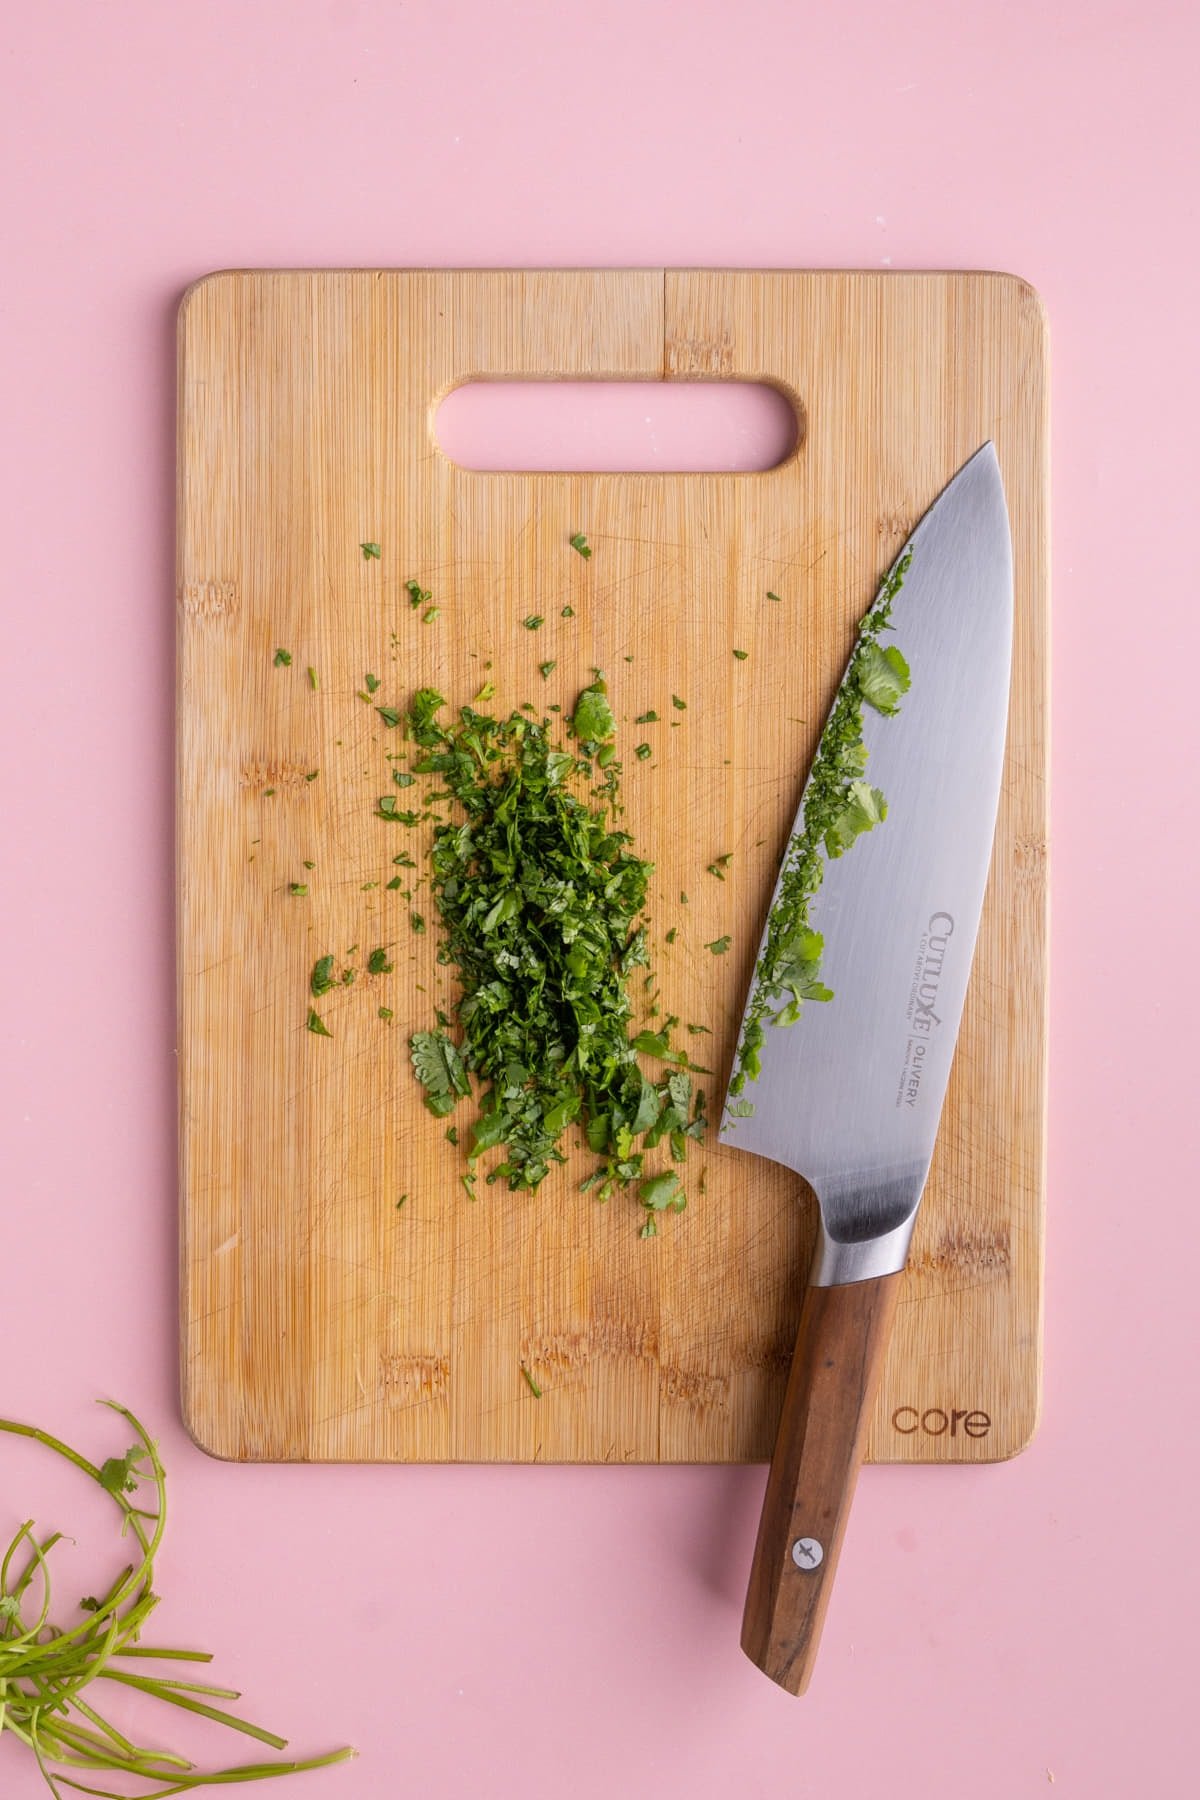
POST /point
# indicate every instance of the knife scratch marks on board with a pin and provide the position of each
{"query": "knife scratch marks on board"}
(408, 1377)
(986, 1254)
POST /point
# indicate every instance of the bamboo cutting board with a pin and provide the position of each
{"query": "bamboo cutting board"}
(321, 1321)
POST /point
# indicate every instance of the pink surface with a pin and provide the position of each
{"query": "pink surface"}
(539, 1632)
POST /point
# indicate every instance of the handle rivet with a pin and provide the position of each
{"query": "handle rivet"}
(807, 1553)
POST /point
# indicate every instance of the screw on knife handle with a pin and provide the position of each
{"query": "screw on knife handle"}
(827, 1410)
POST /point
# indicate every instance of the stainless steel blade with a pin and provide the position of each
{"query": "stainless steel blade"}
(850, 1096)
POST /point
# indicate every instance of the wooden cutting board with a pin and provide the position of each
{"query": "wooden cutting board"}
(321, 1321)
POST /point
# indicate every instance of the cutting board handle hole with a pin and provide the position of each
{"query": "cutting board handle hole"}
(664, 427)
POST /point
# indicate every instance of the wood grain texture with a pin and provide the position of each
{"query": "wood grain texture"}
(318, 1321)
(831, 1391)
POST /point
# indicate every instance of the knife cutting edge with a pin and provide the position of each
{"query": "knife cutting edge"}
(849, 1089)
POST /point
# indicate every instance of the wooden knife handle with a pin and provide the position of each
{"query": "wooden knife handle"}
(830, 1397)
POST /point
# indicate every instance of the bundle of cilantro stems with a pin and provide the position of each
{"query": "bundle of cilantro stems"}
(49, 1673)
(540, 896)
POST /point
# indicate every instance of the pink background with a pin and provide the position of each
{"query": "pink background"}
(536, 1632)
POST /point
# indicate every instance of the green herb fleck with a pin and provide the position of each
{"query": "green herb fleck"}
(369, 551)
(643, 752)
(678, 704)
(533, 621)
(298, 889)
(568, 612)
(530, 1383)
(402, 779)
(771, 596)
(719, 945)
(313, 682)
(430, 614)
(578, 542)
(283, 659)
(378, 964)
(417, 595)
(646, 718)
(312, 774)
(385, 1012)
(390, 715)
(417, 922)
(741, 655)
(400, 1201)
(317, 1025)
(670, 936)
(321, 979)
(546, 669)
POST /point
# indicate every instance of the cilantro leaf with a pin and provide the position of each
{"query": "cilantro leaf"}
(578, 542)
(864, 809)
(283, 659)
(317, 1025)
(883, 676)
(369, 551)
(592, 720)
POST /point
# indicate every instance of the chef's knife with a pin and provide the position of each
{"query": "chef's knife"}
(850, 1095)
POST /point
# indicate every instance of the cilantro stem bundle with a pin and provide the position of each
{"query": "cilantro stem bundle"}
(47, 1672)
(540, 895)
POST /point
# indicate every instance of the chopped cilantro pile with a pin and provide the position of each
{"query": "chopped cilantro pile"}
(839, 805)
(540, 896)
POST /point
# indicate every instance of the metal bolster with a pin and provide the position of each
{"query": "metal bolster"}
(837, 1263)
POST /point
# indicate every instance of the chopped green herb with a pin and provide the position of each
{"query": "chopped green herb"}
(400, 1201)
(297, 889)
(678, 704)
(695, 1030)
(312, 774)
(312, 679)
(430, 614)
(540, 899)
(417, 922)
(317, 1025)
(283, 659)
(719, 866)
(530, 1383)
(268, 793)
(662, 1193)
(533, 621)
(452, 1134)
(370, 682)
(404, 860)
(485, 693)
(643, 752)
(646, 718)
(389, 808)
(568, 612)
(369, 551)
(592, 720)
(385, 1012)
(771, 596)
(390, 715)
(683, 900)
(719, 945)
(321, 979)
(741, 655)
(578, 542)
(546, 669)
(670, 937)
(402, 779)
(378, 964)
(397, 881)
(839, 806)
(309, 864)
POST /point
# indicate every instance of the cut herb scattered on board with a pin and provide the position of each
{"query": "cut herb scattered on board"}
(47, 1669)
(839, 806)
(540, 895)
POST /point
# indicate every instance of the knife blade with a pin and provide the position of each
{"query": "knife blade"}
(850, 1094)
